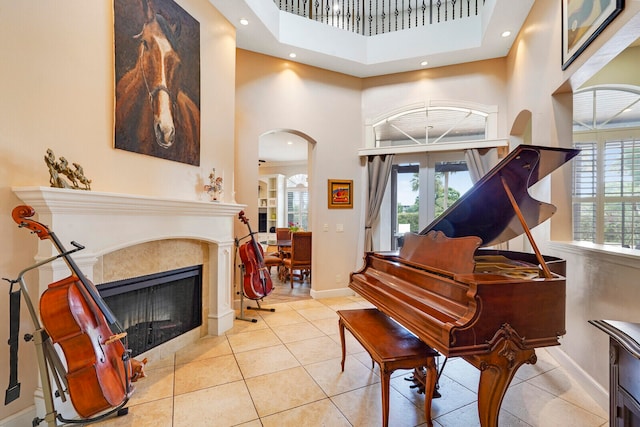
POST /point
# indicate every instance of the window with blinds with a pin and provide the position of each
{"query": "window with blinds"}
(606, 193)
(606, 173)
(584, 193)
(298, 202)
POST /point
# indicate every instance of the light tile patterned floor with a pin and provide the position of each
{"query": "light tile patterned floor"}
(284, 370)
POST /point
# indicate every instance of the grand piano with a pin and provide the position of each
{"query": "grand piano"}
(491, 307)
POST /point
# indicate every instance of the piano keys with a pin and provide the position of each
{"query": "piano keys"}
(491, 307)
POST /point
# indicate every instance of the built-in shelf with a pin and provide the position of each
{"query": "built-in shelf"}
(270, 206)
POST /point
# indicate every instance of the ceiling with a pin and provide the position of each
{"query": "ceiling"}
(268, 34)
(282, 147)
(277, 33)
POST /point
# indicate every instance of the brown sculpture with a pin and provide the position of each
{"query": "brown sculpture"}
(61, 167)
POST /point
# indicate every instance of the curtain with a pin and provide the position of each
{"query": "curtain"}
(480, 161)
(379, 168)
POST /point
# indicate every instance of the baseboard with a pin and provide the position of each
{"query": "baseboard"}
(332, 293)
(20, 419)
(588, 384)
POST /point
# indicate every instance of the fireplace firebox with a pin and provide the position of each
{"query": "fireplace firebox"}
(155, 308)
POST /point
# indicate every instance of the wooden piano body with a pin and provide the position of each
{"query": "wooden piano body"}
(491, 307)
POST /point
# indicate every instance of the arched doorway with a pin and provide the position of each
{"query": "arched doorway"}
(282, 154)
(284, 158)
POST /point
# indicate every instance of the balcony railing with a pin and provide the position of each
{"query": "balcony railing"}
(373, 17)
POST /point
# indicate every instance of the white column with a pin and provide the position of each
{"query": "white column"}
(221, 314)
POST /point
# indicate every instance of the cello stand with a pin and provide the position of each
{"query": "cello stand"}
(260, 308)
(241, 316)
(241, 291)
(48, 359)
(242, 297)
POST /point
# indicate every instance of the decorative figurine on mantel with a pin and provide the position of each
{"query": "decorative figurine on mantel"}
(214, 189)
(61, 167)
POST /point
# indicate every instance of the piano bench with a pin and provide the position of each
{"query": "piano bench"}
(392, 347)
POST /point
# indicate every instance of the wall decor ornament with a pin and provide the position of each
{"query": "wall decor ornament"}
(60, 169)
(214, 188)
(340, 194)
(582, 22)
(157, 74)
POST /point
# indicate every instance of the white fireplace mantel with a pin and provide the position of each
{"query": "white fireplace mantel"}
(105, 222)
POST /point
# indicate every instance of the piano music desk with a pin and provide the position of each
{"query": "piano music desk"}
(392, 347)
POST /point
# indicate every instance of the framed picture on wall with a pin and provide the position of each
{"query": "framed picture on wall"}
(582, 22)
(157, 74)
(340, 193)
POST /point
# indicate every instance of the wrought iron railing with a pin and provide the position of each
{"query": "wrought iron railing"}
(373, 17)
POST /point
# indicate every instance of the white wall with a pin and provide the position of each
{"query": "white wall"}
(57, 86)
(599, 285)
(481, 82)
(57, 92)
(277, 94)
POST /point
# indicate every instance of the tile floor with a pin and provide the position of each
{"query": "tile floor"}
(284, 370)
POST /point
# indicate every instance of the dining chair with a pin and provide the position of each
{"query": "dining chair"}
(283, 234)
(300, 259)
(272, 260)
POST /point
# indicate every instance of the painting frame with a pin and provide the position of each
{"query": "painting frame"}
(157, 108)
(340, 194)
(582, 23)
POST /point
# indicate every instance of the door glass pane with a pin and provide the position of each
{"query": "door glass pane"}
(452, 180)
(407, 202)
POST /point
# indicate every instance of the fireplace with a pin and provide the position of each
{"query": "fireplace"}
(156, 308)
(108, 224)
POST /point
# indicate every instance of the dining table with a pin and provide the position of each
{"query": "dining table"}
(284, 245)
(284, 249)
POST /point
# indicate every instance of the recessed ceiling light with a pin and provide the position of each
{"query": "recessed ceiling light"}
(506, 34)
(424, 63)
(243, 21)
(289, 143)
(292, 55)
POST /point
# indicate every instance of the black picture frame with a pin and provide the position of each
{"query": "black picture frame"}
(582, 22)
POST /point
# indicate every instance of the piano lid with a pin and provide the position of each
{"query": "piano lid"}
(486, 211)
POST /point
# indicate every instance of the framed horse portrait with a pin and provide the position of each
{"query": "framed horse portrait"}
(157, 79)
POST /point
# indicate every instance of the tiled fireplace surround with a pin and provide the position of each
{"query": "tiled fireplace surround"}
(127, 236)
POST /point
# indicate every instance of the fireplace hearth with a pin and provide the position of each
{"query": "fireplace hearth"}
(155, 308)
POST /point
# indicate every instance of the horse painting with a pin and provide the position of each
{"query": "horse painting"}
(155, 113)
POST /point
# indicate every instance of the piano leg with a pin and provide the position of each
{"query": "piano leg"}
(429, 388)
(497, 369)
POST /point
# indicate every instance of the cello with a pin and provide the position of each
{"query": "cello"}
(257, 282)
(98, 374)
